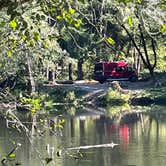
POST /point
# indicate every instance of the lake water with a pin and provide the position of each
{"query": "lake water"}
(141, 141)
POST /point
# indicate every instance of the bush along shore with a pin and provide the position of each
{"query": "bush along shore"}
(145, 96)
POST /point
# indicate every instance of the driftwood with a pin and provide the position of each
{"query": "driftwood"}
(110, 145)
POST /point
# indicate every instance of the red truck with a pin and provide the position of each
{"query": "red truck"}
(110, 71)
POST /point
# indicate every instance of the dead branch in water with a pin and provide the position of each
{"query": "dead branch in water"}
(110, 145)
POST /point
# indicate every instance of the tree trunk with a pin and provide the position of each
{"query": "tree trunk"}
(47, 72)
(79, 67)
(145, 57)
(70, 72)
(53, 76)
(137, 61)
(32, 87)
(151, 71)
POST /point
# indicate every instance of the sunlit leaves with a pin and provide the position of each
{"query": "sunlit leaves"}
(58, 17)
(130, 21)
(30, 43)
(60, 124)
(45, 44)
(163, 4)
(124, 1)
(163, 28)
(71, 11)
(78, 23)
(34, 104)
(13, 24)
(12, 155)
(111, 41)
(36, 36)
(33, 111)
(70, 16)
(9, 53)
(139, 1)
(23, 37)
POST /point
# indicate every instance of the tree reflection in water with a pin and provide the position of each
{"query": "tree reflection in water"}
(141, 139)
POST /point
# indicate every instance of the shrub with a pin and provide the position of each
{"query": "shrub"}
(114, 97)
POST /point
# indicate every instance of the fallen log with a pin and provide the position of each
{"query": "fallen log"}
(109, 145)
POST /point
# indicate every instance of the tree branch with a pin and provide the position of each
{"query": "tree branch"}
(76, 43)
(135, 45)
(97, 30)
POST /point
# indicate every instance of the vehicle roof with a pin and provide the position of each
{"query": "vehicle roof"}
(116, 63)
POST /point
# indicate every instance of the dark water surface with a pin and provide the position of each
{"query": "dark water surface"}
(141, 143)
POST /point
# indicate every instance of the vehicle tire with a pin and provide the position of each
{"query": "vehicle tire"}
(133, 79)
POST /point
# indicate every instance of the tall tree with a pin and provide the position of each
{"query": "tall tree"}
(25, 36)
(142, 27)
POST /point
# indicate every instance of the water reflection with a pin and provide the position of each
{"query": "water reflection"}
(141, 142)
(141, 139)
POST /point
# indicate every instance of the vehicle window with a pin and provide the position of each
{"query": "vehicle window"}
(129, 69)
(120, 68)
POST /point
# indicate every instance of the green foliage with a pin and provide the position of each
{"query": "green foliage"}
(13, 24)
(12, 155)
(36, 27)
(130, 21)
(36, 36)
(111, 41)
(60, 124)
(152, 95)
(163, 28)
(163, 4)
(33, 103)
(114, 97)
(9, 53)
(71, 11)
(2, 24)
(70, 96)
(161, 64)
(114, 111)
